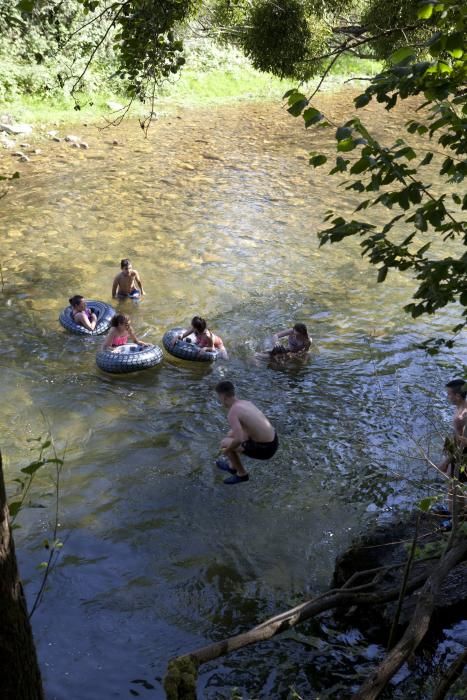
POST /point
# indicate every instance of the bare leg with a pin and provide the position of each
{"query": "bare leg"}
(234, 460)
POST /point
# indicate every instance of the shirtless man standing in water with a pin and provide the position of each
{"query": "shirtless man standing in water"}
(251, 434)
(127, 281)
(457, 447)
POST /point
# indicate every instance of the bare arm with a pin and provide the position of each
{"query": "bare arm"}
(115, 287)
(138, 282)
(282, 334)
(460, 429)
(83, 319)
(108, 340)
(236, 432)
(133, 337)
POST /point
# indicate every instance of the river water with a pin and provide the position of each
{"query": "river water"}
(218, 210)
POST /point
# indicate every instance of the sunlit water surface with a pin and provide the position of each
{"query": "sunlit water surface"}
(218, 210)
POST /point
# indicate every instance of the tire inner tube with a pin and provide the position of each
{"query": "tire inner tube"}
(186, 349)
(129, 358)
(104, 314)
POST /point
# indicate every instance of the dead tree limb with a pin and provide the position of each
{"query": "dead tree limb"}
(336, 598)
(20, 678)
(449, 677)
(418, 625)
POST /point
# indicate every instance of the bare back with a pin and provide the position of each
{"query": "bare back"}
(254, 423)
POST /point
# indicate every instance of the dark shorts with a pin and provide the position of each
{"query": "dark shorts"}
(461, 460)
(134, 294)
(260, 450)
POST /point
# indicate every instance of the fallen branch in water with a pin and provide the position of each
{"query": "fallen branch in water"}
(335, 598)
(450, 676)
(418, 625)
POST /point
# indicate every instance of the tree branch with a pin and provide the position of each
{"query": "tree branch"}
(417, 628)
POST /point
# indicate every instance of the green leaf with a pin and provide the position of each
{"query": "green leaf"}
(402, 54)
(297, 107)
(361, 101)
(426, 503)
(33, 467)
(346, 145)
(14, 508)
(425, 11)
(311, 116)
(382, 273)
(318, 160)
(343, 132)
(26, 5)
(360, 166)
(427, 159)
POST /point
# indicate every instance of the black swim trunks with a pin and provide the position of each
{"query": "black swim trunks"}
(260, 450)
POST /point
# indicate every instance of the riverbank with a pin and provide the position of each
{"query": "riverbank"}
(222, 80)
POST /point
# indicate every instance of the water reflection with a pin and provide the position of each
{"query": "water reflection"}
(218, 211)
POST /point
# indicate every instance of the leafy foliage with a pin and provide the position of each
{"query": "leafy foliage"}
(421, 217)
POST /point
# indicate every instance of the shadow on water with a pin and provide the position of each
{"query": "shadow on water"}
(160, 556)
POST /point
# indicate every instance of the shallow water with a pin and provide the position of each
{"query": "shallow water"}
(218, 211)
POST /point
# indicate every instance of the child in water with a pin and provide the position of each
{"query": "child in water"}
(298, 343)
(120, 331)
(205, 339)
(81, 314)
(128, 282)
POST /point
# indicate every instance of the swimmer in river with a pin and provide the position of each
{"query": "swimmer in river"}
(128, 282)
(119, 333)
(205, 338)
(81, 314)
(297, 345)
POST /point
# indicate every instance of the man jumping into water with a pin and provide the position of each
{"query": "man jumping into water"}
(251, 434)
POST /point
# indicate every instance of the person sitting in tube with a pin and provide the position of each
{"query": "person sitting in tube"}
(81, 314)
(119, 333)
(297, 345)
(205, 339)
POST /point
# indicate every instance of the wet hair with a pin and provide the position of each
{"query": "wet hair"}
(75, 300)
(302, 329)
(199, 324)
(125, 262)
(459, 386)
(120, 320)
(226, 388)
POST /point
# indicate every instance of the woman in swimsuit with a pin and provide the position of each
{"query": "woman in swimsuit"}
(81, 314)
(205, 339)
(298, 343)
(120, 331)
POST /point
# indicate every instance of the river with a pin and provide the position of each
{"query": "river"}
(218, 210)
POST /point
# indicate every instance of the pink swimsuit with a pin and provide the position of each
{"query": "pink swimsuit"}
(119, 340)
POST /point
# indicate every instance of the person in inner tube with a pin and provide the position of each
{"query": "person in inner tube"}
(119, 333)
(205, 339)
(128, 282)
(298, 343)
(81, 314)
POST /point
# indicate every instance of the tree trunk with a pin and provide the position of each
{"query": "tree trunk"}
(20, 678)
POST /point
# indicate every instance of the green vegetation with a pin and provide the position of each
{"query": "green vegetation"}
(212, 73)
(419, 212)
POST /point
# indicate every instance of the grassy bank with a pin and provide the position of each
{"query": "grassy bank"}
(211, 75)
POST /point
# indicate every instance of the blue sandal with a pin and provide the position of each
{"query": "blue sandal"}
(236, 479)
(224, 464)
